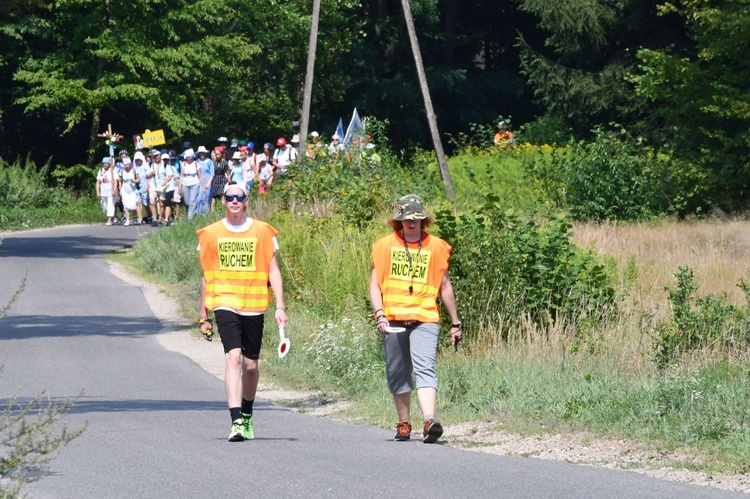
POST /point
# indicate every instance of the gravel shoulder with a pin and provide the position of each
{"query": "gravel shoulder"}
(478, 436)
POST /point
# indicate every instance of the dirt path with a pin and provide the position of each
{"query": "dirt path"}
(480, 436)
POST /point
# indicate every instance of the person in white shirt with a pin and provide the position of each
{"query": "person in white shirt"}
(129, 180)
(106, 184)
(284, 156)
(191, 180)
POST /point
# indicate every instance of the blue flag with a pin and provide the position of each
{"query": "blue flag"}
(340, 131)
(355, 132)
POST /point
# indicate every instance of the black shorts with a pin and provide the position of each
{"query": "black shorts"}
(240, 331)
(168, 198)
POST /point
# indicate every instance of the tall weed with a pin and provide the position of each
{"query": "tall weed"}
(700, 322)
(25, 184)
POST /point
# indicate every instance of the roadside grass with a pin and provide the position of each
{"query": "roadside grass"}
(33, 196)
(68, 210)
(602, 379)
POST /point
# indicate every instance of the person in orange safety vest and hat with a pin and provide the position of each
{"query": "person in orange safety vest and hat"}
(409, 274)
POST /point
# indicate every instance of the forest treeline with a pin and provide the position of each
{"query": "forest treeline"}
(673, 77)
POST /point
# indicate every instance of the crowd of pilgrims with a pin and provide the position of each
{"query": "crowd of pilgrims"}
(153, 185)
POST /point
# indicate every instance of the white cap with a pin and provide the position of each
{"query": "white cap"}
(202, 149)
(189, 153)
(315, 135)
(240, 186)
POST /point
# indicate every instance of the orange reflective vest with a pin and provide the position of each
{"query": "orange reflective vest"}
(236, 265)
(424, 274)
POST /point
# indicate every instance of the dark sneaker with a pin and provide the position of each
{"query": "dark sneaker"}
(155, 223)
(247, 426)
(403, 431)
(432, 431)
(235, 433)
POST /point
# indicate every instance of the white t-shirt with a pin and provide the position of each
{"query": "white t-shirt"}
(266, 172)
(285, 157)
(190, 173)
(128, 181)
(105, 182)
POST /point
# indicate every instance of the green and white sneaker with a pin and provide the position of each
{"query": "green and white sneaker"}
(247, 426)
(235, 434)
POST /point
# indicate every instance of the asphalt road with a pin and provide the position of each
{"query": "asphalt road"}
(157, 423)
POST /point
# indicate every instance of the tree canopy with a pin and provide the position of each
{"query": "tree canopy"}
(674, 74)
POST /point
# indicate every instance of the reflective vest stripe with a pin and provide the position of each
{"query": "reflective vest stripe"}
(234, 275)
(222, 288)
(237, 303)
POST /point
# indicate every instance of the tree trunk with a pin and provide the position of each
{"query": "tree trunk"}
(97, 117)
(444, 173)
(309, 79)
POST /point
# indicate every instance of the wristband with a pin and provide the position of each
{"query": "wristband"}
(456, 325)
(281, 308)
(375, 314)
(203, 321)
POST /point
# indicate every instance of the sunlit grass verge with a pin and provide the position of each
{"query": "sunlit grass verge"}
(68, 210)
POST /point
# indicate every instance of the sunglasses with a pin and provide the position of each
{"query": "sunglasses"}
(231, 197)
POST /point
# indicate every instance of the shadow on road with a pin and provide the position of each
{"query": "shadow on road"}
(86, 405)
(61, 247)
(39, 326)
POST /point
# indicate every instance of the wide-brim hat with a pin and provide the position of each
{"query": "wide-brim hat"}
(237, 155)
(410, 207)
(202, 149)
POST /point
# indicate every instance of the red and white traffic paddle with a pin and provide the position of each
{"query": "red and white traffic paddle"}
(284, 343)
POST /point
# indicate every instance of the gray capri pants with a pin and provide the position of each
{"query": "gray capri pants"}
(414, 349)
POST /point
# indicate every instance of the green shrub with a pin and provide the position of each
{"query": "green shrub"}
(699, 322)
(506, 268)
(357, 186)
(547, 129)
(25, 185)
(617, 177)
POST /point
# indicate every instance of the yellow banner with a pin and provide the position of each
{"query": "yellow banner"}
(155, 138)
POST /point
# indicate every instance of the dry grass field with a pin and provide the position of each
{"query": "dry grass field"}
(717, 252)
